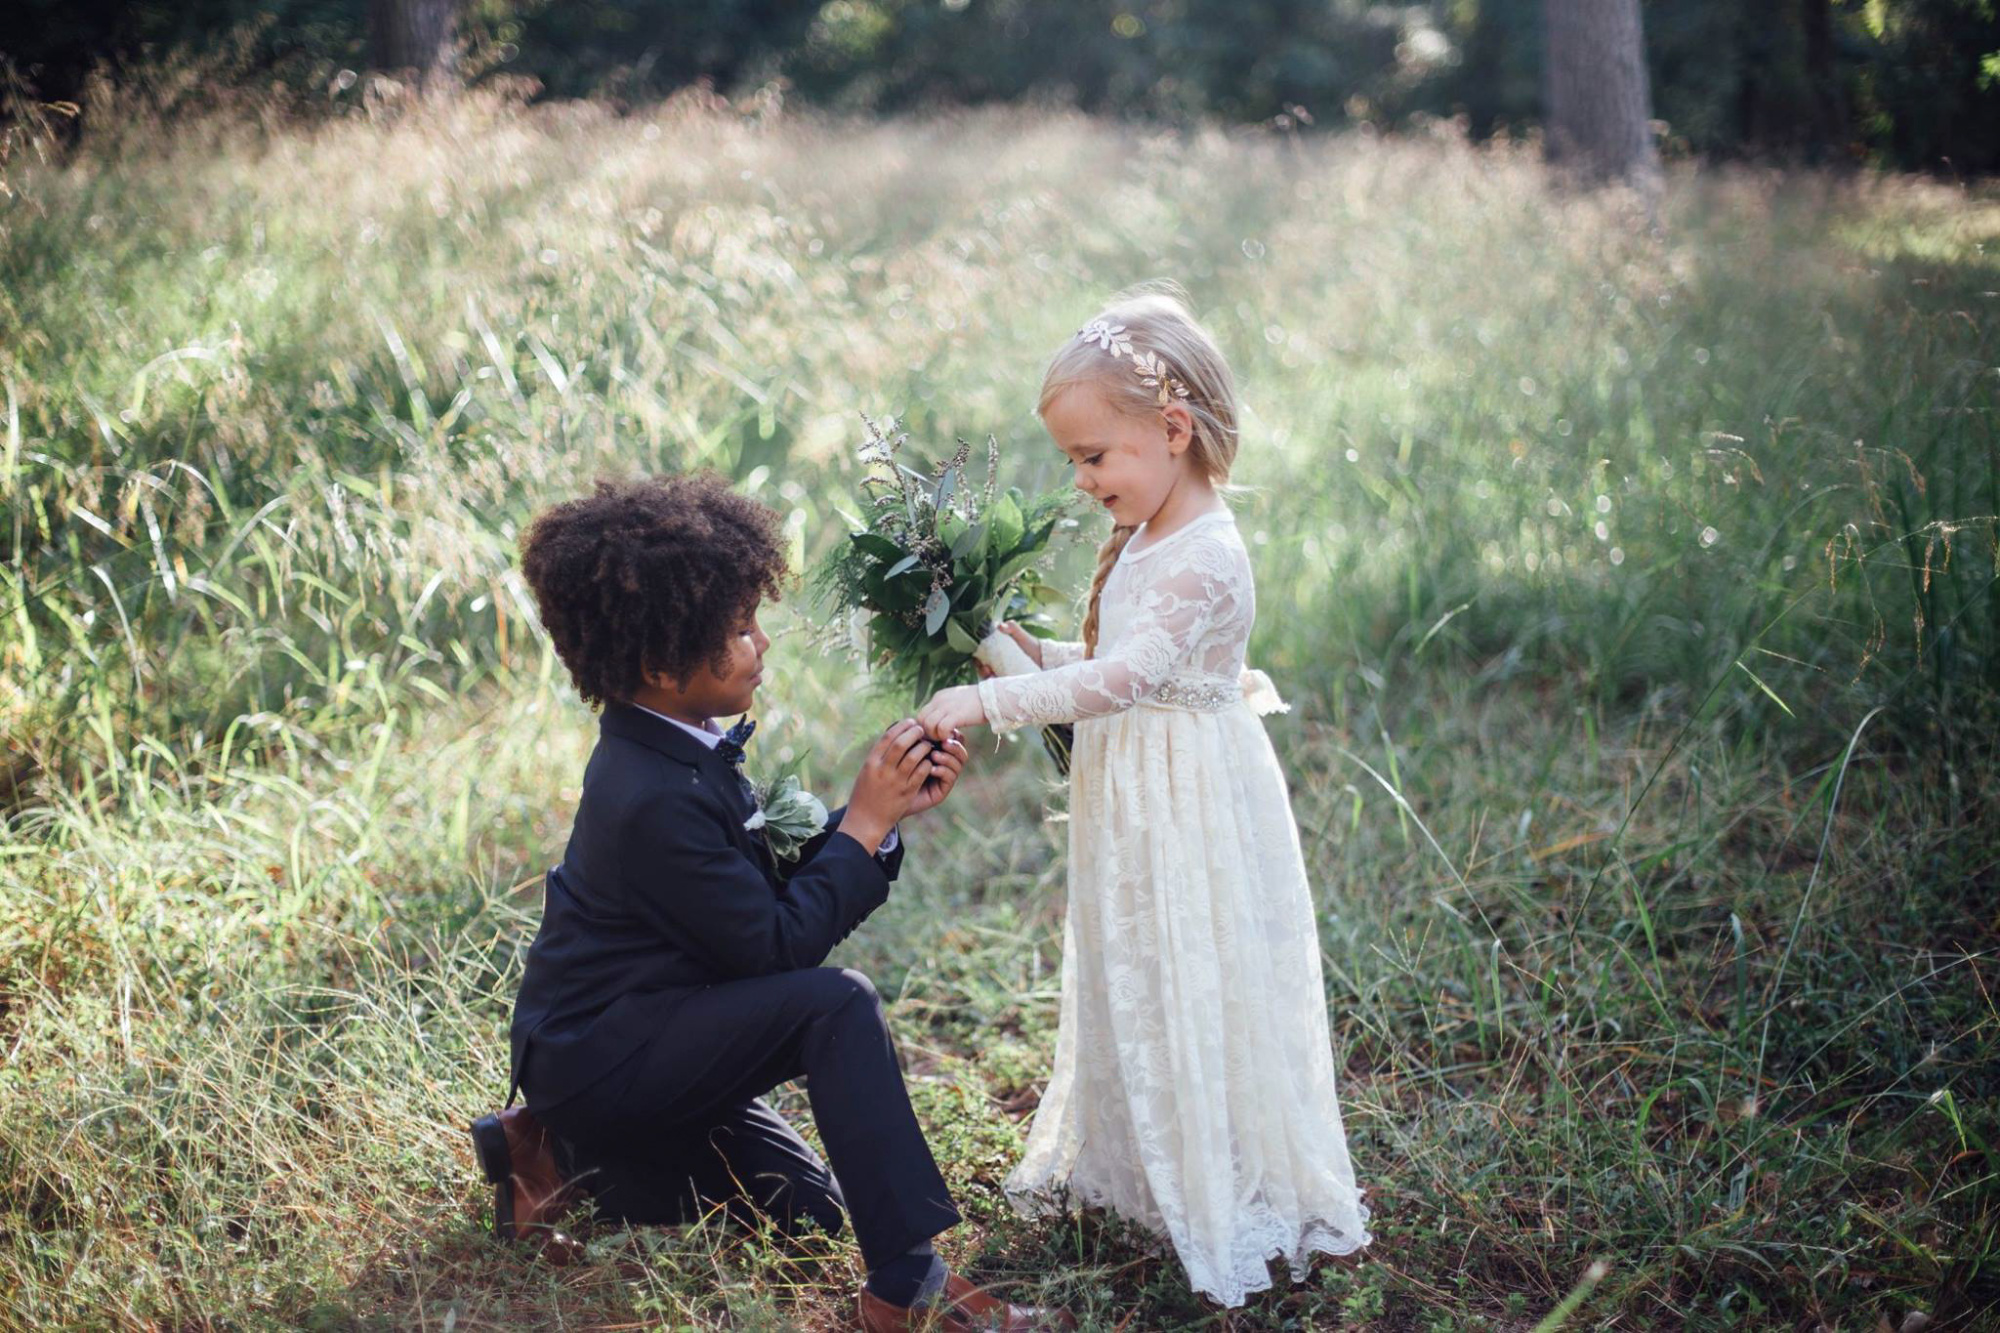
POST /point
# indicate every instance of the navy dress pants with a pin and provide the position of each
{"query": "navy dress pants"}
(679, 1126)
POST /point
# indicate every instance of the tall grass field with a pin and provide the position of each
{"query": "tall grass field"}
(1630, 570)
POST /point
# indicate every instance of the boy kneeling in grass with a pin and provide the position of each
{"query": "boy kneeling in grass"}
(676, 976)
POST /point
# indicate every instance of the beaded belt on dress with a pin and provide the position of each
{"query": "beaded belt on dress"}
(1197, 694)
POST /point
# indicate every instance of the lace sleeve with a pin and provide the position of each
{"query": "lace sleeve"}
(1172, 600)
(1060, 653)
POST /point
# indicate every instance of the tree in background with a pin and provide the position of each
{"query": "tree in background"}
(1911, 84)
(638, 49)
(413, 35)
(1600, 104)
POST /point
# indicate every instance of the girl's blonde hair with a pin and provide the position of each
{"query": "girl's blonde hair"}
(1144, 351)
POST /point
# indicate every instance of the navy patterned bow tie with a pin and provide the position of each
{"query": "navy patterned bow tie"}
(730, 747)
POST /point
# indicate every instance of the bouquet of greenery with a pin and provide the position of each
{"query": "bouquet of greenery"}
(933, 565)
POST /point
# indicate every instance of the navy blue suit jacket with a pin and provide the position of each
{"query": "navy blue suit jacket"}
(661, 891)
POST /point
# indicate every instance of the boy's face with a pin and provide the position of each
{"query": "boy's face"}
(710, 693)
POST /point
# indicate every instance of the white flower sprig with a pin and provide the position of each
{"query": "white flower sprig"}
(1151, 367)
(1111, 337)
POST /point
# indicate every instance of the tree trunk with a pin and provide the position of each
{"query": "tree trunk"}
(1600, 105)
(1829, 126)
(412, 35)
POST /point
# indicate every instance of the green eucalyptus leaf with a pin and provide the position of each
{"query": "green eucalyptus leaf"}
(902, 596)
(971, 544)
(876, 545)
(1014, 568)
(956, 636)
(968, 592)
(936, 608)
(1007, 522)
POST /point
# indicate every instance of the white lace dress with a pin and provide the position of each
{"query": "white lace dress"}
(1193, 1089)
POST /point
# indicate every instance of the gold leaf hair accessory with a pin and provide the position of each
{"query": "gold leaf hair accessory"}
(1149, 366)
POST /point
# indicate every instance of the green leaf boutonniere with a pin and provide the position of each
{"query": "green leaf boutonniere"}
(788, 815)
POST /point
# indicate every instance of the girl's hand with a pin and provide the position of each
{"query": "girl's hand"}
(951, 710)
(1030, 645)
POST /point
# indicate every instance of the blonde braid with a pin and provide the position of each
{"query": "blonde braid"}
(1107, 558)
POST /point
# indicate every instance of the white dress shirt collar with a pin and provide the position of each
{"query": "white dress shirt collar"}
(709, 735)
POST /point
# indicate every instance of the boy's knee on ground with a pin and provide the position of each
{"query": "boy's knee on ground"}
(859, 984)
(834, 988)
(845, 1003)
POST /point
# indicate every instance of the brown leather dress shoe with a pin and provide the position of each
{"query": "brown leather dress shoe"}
(529, 1193)
(960, 1308)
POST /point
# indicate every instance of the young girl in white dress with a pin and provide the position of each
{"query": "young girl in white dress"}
(1193, 1089)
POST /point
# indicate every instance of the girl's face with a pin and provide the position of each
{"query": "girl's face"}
(1129, 464)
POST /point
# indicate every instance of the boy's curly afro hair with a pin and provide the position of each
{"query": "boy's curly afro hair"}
(650, 576)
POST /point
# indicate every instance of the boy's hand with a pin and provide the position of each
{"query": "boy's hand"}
(951, 710)
(892, 778)
(947, 766)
